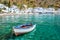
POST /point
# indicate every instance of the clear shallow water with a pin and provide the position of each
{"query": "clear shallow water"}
(47, 28)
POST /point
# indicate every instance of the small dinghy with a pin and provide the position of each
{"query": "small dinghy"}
(21, 29)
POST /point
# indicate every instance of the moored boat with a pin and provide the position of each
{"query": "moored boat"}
(25, 28)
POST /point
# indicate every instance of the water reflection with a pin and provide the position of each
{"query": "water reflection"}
(27, 17)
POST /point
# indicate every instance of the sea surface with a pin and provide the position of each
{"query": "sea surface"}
(48, 26)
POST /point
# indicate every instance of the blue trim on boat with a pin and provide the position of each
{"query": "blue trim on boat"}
(19, 26)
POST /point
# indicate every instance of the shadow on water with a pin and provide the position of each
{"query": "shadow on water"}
(11, 35)
(5, 36)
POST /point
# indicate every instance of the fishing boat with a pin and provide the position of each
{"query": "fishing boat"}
(25, 28)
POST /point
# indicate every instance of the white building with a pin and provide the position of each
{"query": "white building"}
(2, 5)
(29, 10)
(14, 9)
(38, 9)
(49, 9)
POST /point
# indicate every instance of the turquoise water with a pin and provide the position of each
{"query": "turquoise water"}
(48, 27)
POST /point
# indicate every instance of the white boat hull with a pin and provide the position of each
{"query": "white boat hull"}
(22, 31)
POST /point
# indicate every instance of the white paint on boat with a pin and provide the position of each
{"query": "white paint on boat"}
(24, 30)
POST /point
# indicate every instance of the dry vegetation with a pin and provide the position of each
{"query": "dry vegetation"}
(32, 3)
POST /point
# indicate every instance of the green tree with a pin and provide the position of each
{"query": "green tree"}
(0, 10)
(5, 3)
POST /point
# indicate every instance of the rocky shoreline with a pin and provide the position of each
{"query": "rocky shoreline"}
(14, 10)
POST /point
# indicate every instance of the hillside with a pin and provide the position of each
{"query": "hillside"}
(33, 3)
